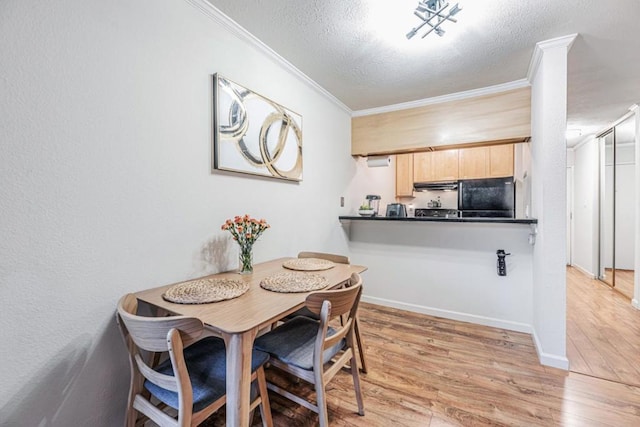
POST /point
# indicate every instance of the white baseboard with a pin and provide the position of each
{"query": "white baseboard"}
(585, 271)
(553, 360)
(635, 303)
(453, 315)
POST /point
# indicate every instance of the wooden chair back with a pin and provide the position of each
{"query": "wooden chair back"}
(338, 259)
(150, 333)
(157, 334)
(332, 304)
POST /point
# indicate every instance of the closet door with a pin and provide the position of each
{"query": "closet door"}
(624, 209)
(607, 208)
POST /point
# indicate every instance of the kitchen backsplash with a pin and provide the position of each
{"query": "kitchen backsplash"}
(448, 199)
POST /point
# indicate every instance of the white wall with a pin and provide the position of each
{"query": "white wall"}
(366, 180)
(106, 186)
(522, 176)
(636, 295)
(548, 76)
(585, 202)
(571, 158)
(447, 269)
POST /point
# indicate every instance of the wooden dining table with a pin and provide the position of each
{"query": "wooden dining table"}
(239, 320)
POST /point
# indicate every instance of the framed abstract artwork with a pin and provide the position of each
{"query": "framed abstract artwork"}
(254, 135)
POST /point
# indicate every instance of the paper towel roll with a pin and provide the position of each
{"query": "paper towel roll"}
(378, 161)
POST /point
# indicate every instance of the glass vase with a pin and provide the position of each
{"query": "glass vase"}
(246, 260)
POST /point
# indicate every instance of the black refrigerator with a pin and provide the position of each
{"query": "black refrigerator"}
(487, 198)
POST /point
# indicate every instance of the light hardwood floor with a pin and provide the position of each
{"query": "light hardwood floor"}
(624, 281)
(427, 371)
(603, 330)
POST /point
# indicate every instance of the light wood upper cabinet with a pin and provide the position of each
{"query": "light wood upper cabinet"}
(404, 175)
(486, 162)
(450, 165)
(473, 162)
(445, 165)
(500, 161)
(435, 166)
(422, 167)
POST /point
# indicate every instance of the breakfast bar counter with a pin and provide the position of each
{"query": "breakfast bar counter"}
(447, 267)
(440, 219)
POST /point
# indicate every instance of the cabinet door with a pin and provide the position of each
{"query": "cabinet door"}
(473, 162)
(501, 161)
(422, 167)
(445, 165)
(404, 175)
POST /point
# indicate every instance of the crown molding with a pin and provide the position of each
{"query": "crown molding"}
(583, 141)
(489, 90)
(237, 30)
(631, 111)
(565, 41)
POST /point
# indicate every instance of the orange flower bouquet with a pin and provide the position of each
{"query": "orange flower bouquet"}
(245, 230)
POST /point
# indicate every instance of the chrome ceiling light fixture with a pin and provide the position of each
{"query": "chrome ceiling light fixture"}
(433, 13)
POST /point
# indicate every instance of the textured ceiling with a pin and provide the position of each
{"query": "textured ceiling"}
(357, 49)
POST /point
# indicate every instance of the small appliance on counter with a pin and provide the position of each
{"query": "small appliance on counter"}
(397, 210)
(372, 204)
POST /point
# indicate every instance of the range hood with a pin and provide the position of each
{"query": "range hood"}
(436, 186)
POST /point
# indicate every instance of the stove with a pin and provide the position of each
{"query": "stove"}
(437, 213)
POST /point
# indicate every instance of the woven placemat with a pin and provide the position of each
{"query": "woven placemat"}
(292, 281)
(202, 291)
(308, 264)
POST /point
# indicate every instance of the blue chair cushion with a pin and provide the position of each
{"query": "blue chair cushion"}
(207, 366)
(293, 342)
(304, 311)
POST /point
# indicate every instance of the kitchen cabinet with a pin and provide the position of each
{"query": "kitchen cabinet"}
(404, 175)
(472, 162)
(486, 162)
(501, 160)
(422, 167)
(435, 166)
(445, 165)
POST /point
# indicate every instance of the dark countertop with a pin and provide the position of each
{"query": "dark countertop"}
(431, 219)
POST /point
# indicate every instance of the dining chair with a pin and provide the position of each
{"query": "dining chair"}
(314, 351)
(304, 311)
(338, 259)
(191, 380)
